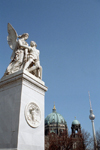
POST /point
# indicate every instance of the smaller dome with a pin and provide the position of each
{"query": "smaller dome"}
(75, 122)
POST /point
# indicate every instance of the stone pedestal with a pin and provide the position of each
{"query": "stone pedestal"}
(21, 94)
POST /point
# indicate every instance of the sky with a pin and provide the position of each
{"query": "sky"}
(67, 33)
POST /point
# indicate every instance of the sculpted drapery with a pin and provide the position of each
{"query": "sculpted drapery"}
(23, 56)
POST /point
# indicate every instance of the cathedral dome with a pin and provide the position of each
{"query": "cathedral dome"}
(75, 122)
(54, 117)
(55, 122)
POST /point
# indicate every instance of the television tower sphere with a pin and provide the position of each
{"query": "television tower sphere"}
(91, 116)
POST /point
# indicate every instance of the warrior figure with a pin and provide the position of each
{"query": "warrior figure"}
(23, 55)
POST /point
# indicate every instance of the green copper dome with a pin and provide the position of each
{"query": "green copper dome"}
(75, 122)
(54, 118)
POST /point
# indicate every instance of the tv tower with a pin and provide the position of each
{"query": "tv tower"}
(92, 117)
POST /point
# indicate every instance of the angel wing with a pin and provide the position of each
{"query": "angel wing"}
(12, 38)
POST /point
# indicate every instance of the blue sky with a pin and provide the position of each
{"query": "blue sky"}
(67, 34)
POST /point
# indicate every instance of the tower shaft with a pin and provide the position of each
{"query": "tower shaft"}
(94, 135)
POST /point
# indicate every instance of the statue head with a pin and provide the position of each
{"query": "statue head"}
(32, 43)
(32, 110)
(25, 36)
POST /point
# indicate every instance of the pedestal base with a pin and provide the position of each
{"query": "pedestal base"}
(17, 91)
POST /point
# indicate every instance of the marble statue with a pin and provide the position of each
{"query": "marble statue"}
(23, 56)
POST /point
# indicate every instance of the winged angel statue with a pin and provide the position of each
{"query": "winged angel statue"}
(23, 56)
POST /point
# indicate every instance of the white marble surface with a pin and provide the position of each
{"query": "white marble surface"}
(23, 56)
(32, 114)
(16, 91)
(9, 114)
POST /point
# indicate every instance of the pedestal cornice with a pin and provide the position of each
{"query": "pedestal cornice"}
(23, 75)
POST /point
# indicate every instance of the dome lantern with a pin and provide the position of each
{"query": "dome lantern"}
(54, 108)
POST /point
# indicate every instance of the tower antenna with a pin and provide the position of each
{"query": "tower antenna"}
(89, 100)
